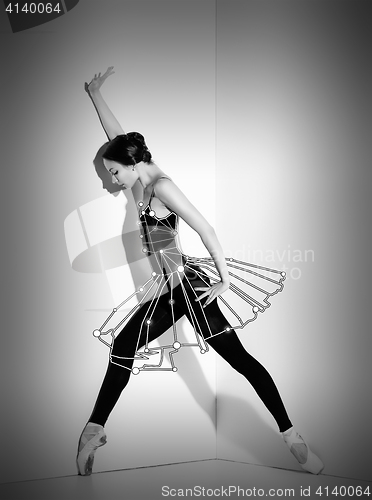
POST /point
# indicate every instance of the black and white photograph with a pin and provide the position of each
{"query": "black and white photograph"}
(186, 245)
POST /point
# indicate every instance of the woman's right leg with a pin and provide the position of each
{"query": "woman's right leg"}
(131, 338)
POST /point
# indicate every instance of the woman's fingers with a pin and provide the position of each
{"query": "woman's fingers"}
(201, 296)
(214, 291)
(106, 75)
(207, 302)
(201, 289)
(99, 76)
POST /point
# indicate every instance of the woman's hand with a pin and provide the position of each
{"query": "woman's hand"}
(213, 291)
(98, 80)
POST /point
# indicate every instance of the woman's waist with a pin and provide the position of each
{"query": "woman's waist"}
(168, 261)
(177, 264)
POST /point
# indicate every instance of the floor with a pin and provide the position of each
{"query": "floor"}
(219, 478)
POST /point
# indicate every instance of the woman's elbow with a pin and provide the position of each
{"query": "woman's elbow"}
(207, 232)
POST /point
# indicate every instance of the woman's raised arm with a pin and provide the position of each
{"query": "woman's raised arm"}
(110, 124)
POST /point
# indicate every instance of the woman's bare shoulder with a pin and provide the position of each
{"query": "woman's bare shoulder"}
(161, 181)
(161, 177)
(176, 200)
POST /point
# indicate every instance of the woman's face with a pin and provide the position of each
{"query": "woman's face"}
(122, 175)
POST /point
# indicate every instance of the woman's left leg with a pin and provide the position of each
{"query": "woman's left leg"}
(211, 320)
(229, 347)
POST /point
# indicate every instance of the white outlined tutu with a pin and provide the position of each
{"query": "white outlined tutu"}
(251, 287)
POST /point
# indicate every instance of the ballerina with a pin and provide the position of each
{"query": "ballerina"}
(181, 285)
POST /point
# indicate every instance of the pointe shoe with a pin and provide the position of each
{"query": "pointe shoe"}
(92, 437)
(311, 462)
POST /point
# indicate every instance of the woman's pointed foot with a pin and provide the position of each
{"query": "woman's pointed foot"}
(301, 450)
(92, 437)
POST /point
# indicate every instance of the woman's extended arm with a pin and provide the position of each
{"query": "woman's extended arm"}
(174, 199)
(110, 124)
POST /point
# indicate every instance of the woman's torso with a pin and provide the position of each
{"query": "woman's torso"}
(159, 233)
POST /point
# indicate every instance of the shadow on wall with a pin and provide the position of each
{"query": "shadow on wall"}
(103, 174)
(95, 233)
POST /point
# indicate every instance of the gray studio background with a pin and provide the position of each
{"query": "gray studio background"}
(258, 109)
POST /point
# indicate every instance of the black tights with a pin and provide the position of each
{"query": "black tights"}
(226, 345)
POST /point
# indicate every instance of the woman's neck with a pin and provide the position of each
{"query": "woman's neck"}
(148, 173)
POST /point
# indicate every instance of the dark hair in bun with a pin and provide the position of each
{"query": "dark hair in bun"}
(128, 149)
